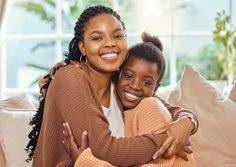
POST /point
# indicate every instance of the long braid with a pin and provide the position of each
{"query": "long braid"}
(73, 54)
(36, 123)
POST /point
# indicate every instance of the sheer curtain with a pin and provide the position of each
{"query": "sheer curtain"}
(2, 10)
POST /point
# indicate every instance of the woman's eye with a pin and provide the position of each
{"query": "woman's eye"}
(97, 38)
(119, 36)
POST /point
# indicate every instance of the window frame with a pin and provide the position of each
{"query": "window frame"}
(59, 36)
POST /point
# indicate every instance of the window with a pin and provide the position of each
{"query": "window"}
(35, 34)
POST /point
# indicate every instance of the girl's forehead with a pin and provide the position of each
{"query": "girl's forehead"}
(139, 60)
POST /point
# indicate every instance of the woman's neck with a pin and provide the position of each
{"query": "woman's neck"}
(101, 84)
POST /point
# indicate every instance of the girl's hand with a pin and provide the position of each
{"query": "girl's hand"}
(53, 70)
(47, 78)
(70, 144)
(178, 133)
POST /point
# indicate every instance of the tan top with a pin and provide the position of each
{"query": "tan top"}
(71, 98)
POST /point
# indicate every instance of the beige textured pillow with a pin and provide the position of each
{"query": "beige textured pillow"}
(19, 102)
(215, 142)
(232, 94)
(15, 114)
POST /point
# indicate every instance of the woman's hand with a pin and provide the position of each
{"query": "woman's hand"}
(70, 144)
(178, 133)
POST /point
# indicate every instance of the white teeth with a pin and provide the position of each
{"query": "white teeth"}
(109, 56)
(132, 96)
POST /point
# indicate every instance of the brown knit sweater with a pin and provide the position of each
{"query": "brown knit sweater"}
(71, 98)
(149, 116)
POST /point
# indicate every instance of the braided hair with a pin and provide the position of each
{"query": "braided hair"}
(73, 54)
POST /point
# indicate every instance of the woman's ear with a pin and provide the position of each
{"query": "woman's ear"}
(82, 48)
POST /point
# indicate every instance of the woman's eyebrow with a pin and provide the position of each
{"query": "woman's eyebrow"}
(96, 32)
(118, 29)
(100, 32)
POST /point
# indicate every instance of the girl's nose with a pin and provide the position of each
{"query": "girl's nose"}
(135, 84)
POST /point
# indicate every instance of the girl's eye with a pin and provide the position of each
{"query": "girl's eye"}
(128, 76)
(147, 82)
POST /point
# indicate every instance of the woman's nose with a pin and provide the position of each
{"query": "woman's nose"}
(110, 42)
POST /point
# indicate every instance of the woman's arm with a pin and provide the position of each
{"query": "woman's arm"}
(78, 105)
(178, 131)
(178, 112)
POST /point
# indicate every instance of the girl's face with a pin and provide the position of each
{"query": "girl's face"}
(104, 43)
(138, 79)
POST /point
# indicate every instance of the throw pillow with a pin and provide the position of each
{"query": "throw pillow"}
(214, 143)
(15, 114)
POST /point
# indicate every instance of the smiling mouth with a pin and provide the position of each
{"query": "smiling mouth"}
(110, 56)
(131, 97)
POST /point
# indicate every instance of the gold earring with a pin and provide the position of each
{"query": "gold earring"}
(127, 55)
(83, 58)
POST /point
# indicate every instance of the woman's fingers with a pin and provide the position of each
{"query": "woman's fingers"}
(188, 150)
(163, 148)
(183, 155)
(172, 150)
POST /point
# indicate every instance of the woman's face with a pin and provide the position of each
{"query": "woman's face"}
(104, 43)
(138, 79)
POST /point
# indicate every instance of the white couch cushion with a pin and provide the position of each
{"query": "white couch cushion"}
(214, 143)
(15, 114)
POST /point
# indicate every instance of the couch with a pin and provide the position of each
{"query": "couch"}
(214, 144)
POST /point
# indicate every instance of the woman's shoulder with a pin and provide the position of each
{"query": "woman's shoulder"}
(71, 76)
(74, 71)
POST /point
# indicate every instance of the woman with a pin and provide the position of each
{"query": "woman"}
(76, 96)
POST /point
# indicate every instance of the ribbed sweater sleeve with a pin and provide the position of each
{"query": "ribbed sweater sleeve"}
(78, 105)
(177, 112)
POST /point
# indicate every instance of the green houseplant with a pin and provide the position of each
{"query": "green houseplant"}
(224, 35)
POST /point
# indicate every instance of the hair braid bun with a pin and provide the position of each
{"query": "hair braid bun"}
(146, 37)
